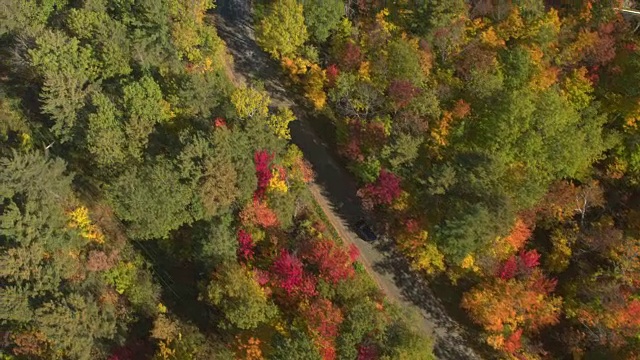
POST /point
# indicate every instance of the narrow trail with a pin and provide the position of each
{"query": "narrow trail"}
(335, 192)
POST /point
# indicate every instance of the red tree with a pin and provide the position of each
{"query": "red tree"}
(509, 268)
(262, 160)
(351, 56)
(402, 92)
(332, 74)
(323, 320)
(289, 276)
(367, 352)
(383, 191)
(245, 245)
(513, 342)
(530, 259)
(333, 262)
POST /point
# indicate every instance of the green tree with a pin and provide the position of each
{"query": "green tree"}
(67, 69)
(144, 108)
(106, 140)
(236, 293)
(297, 346)
(152, 199)
(322, 17)
(106, 36)
(282, 31)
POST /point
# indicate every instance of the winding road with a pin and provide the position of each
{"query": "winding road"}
(335, 191)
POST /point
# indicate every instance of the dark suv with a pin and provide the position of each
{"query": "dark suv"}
(365, 231)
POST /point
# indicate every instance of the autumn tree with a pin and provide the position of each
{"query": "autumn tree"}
(282, 31)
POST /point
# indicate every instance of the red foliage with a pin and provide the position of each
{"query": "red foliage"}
(530, 259)
(402, 92)
(383, 191)
(367, 352)
(630, 46)
(332, 74)
(245, 245)
(289, 275)
(261, 276)
(334, 263)
(461, 109)
(219, 122)
(351, 56)
(354, 253)
(351, 150)
(262, 160)
(509, 268)
(513, 342)
(542, 284)
(323, 318)
(412, 226)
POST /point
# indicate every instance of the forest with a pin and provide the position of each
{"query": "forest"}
(154, 209)
(499, 143)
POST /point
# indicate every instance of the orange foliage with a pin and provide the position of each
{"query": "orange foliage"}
(249, 350)
(507, 305)
(519, 235)
(258, 213)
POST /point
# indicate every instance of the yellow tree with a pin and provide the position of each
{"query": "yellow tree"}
(282, 31)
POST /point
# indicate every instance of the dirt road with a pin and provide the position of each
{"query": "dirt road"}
(335, 191)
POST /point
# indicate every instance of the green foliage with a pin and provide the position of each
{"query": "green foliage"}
(106, 140)
(322, 17)
(243, 302)
(73, 324)
(67, 69)
(106, 36)
(140, 197)
(282, 30)
(296, 346)
(144, 108)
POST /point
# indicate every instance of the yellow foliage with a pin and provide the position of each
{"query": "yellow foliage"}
(496, 341)
(561, 252)
(279, 123)
(165, 352)
(314, 86)
(401, 202)
(26, 142)
(577, 89)
(296, 67)
(79, 219)
(277, 183)
(512, 26)
(381, 19)
(469, 263)
(633, 117)
(490, 38)
(364, 71)
(250, 102)
(161, 308)
(545, 78)
(428, 258)
(441, 132)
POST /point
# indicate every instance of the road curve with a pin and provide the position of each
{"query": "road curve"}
(335, 192)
